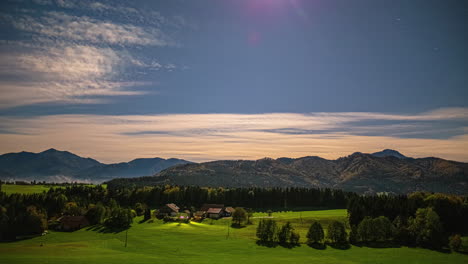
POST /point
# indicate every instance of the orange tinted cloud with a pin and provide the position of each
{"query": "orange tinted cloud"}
(203, 137)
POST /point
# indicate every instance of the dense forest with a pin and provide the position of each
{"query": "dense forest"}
(417, 219)
(437, 216)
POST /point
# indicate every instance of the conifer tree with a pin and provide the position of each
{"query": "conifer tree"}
(315, 234)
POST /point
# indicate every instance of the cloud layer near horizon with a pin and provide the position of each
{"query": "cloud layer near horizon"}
(203, 137)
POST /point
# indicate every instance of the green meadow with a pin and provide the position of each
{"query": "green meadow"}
(28, 189)
(208, 242)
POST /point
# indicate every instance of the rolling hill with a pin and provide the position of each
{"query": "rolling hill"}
(62, 166)
(363, 173)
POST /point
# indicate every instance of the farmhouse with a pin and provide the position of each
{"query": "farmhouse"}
(205, 207)
(72, 223)
(215, 213)
(168, 210)
(228, 211)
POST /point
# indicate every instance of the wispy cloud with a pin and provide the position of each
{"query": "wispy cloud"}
(124, 12)
(61, 57)
(65, 27)
(202, 137)
(61, 74)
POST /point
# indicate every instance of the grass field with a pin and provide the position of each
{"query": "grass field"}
(205, 242)
(13, 188)
(27, 189)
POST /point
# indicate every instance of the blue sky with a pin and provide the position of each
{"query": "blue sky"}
(331, 78)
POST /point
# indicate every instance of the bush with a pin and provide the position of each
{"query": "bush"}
(168, 219)
(147, 215)
(140, 208)
(455, 242)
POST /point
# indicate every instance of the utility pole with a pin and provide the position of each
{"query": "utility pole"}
(126, 238)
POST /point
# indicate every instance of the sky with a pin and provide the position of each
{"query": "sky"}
(234, 79)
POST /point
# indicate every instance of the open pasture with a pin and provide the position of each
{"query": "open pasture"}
(211, 241)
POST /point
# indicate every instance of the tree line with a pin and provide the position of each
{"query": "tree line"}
(270, 234)
(418, 219)
(259, 198)
(27, 214)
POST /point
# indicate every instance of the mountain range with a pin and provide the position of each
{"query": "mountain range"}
(386, 171)
(62, 166)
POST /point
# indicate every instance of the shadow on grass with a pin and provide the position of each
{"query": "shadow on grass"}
(238, 226)
(319, 246)
(275, 244)
(267, 244)
(105, 229)
(442, 250)
(94, 228)
(343, 246)
(377, 244)
(289, 245)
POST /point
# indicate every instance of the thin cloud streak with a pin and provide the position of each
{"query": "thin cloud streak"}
(64, 74)
(63, 57)
(203, 137)
(59, 25)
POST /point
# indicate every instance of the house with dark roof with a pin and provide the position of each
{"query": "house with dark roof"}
(215, 213)
(72, 223)
(168, 210)
(205, 207)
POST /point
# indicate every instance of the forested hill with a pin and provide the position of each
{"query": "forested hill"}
(363, 173)
(62, 166)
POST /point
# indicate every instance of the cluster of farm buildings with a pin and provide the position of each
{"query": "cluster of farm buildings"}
(212, 211)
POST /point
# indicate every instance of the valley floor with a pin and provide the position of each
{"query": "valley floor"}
(206, 242)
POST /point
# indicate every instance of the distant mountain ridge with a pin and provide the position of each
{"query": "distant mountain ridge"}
(385, 171)
(136, 167)
(57, 166)
(364, 173)
(389, 153)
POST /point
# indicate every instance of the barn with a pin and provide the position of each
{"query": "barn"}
(168, 210)
(72, 223)
(214, 213)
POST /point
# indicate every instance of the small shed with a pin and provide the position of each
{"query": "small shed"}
(228, 211)
(72, 223)
(199, 215)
